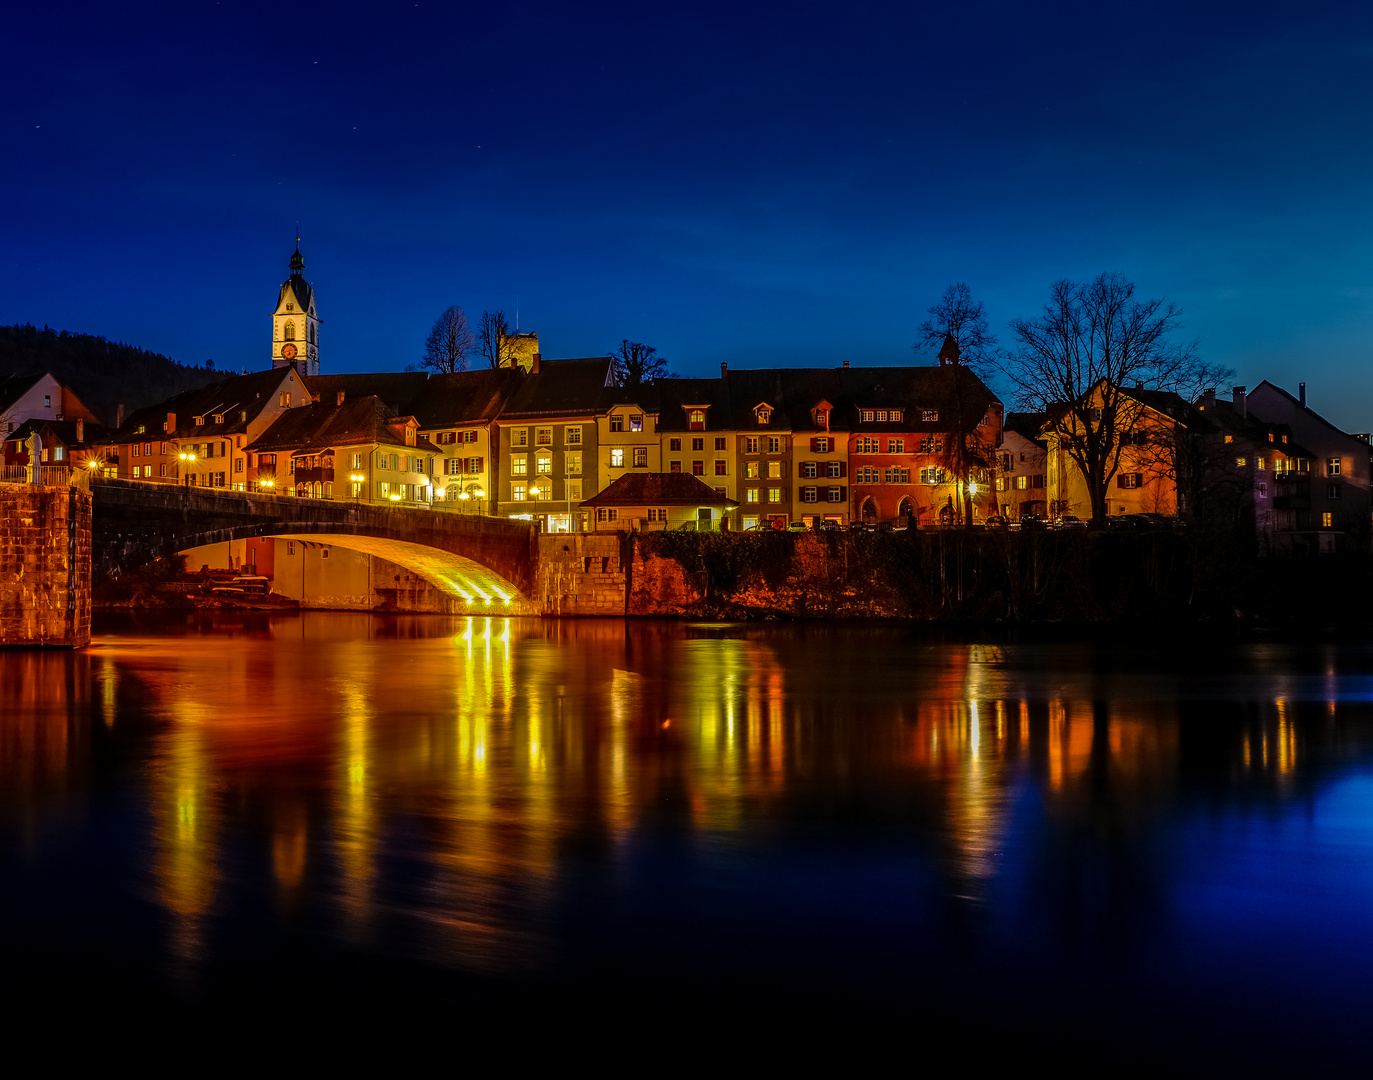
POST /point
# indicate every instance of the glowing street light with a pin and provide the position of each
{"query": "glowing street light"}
(358, 480)
(188, 456)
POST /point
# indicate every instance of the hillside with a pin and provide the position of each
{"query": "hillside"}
(104, 374)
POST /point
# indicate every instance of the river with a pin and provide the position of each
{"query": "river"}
(1126, 846)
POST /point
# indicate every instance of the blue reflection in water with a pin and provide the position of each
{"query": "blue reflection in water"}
(851, 819)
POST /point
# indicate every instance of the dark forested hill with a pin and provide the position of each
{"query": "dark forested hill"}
(104, 374)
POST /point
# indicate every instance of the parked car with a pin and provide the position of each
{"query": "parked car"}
(798, 526)
(1069, 521)
(1031, 521)
(828, 526)
(996, 521)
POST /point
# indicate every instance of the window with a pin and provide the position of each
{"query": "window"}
(1129, 480)
(932, 476)
(834, 468)
(641, 457)
(543, 465)
(867, 446)
(1003, 483)
(720, 467)
(607, 513)
(896, 416)
(47, 401)
(774, 444)
(519, 465)
(881, 416)
(653, 514)
(285, 399)
(1229, 439)
(290, 331)
(1241, 462)
(454, 466)
(385, 489)
(698, 468)
(1037, 481)
(165, 451)
(133, 452)
(752, 470)
(357, 461)
(162, 469)
(751, 444)
(822, 445)
(1262, 490)
(763, 413)
(774, 495)
(674, 444)
(809, 470)
(721, 443)
(516, 492)
(446, 437)
(200, 421)
(636, 423)
(474, 465)
(896, 446)
(617, 457)
(469, 435)
(867, 475)
(1332, 466)
(617, 422)
(822, 418)
(519, 436)
(574, 491)
(696, 420)
(934, 444)
(1022, 483)
(1332, 491)
(929, 416)
(865, 415)
(543, 436)
(897, 476)
(698, 444)
(238, 465)
(1327, 520)
(834, 494)
(1260, 463)
(219, 418)
(572, 464)
(675, 466)
(751, 495)
(774, 470)
(810, 494)
(266, 461)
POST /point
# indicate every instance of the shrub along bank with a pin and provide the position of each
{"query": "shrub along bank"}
(988, 576)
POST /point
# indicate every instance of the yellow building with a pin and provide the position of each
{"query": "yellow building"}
(650, 502)
(1139, 460)
(457, 413)
(628, 440)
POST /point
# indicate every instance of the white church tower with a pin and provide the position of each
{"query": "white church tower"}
(295, 323)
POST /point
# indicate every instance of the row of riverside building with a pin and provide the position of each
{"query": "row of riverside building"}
(557, 442)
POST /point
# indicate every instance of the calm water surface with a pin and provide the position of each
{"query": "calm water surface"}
(1146, 846)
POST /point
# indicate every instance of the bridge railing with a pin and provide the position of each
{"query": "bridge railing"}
(48, 475)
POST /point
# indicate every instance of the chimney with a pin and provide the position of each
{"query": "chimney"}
(534, 367)
(1239, 401)
(724, 369)
(340, 398)
(1301, 393)
(171, 423)
(846, 363)
(119, 414)
(1208, 398)
(80, 430)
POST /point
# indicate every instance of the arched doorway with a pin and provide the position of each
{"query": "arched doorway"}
(904, 509)
(869, 510)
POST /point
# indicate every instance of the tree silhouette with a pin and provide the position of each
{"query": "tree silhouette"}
(636, 363)
(449, 343)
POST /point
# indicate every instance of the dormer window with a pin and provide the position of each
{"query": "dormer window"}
(696, 419)
(409, 436)
(200, 421)
(822, 417)
(763, 414)
(219, 418)
(290, 307)
(929, 416)
(896, 416)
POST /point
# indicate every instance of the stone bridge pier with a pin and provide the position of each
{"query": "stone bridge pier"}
(45, 565)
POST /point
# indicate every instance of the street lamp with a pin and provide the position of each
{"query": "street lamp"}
(357, 480)
(188, 456)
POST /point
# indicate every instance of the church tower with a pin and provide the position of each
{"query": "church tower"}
(295, 324)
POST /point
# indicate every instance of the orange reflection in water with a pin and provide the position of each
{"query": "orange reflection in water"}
(472, 755)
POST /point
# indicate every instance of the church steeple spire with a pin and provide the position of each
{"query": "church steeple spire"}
(295, 322)
(297, 261)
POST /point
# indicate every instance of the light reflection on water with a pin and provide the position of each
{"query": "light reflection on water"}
(503, 796)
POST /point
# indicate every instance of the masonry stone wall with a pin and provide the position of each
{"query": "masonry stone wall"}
(580, 574)
(45, 566)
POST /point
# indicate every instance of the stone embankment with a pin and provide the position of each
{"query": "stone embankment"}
(45, 566)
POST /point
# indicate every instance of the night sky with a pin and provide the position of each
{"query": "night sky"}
(760, 184)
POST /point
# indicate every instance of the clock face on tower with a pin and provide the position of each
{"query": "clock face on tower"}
(288, 351)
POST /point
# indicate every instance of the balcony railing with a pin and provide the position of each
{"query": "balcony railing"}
(48, 476)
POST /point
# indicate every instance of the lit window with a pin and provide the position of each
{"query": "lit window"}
(572, 464)
(774, 495)
(617, 457)
(544, 466)
(1229, 438)
(697, 419)
(929, 416)
(1327, 520)
(751, 495)
(519, 437)
(865, 415)
(519, 465)
(636, 423)
(896, 416)
(896, 446)
(774, 470)
(1332, 466)
(574, 490)
(516, 492)
(881, 416)
(1241, 462)
(641, 457)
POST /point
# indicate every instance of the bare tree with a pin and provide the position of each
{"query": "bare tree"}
(495, 343)
(636, 363)
(957, 328)
(1078, 362)
(449, 343)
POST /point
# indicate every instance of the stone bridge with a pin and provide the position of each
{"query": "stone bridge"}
(484, 563)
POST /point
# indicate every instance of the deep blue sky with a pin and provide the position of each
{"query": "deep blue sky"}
(762, 184)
